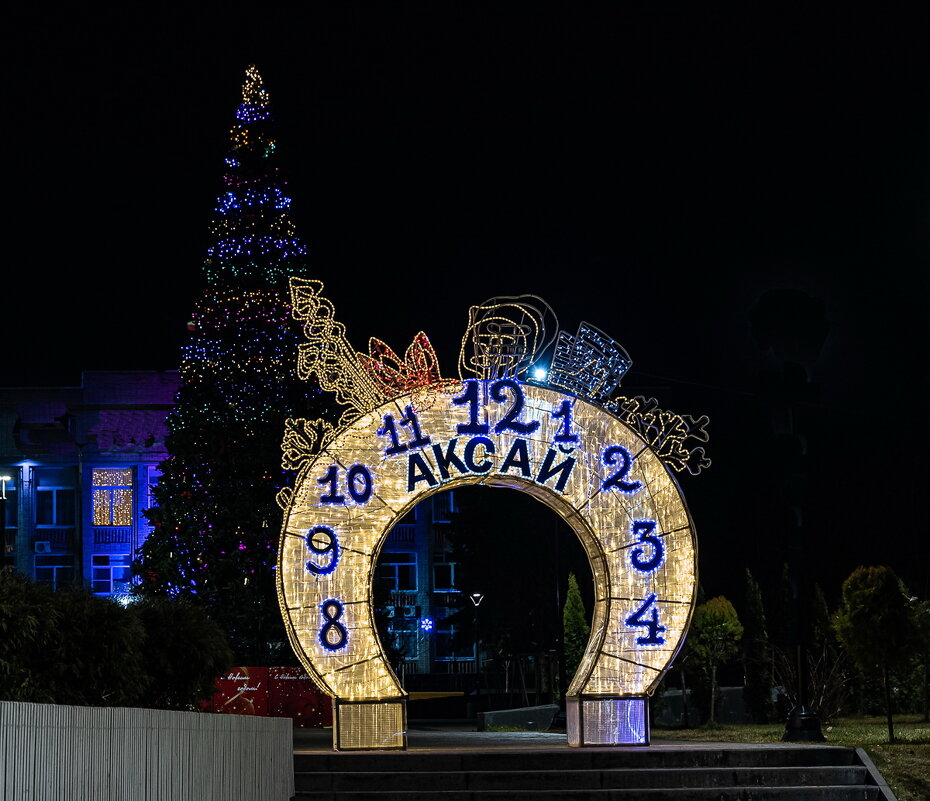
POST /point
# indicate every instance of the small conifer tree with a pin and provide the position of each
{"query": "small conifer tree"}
(757, 656)
(576, 629)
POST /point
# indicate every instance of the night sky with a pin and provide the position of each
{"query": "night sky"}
(722, 194)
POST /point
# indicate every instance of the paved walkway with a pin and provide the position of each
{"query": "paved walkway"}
(424, 736)
(462, 735)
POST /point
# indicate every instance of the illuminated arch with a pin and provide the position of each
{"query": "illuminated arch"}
(577, 458)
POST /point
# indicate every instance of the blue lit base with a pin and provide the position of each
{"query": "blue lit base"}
(370, 725)
(596, 720)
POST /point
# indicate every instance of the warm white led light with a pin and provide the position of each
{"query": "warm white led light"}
(594, 470)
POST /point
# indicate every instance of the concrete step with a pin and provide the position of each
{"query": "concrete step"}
(575, 759)
(824, 793)
(637, 778)
(745, 773)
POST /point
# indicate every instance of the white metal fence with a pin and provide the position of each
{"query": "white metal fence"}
(74, 753)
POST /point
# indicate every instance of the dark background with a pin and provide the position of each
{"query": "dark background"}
(659, 175)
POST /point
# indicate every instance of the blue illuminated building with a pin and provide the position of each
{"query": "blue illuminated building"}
(80, 463)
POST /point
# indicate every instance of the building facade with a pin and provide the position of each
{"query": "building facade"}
(77, 466)
(426, 614)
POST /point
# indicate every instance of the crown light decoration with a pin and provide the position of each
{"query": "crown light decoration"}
(602, 461)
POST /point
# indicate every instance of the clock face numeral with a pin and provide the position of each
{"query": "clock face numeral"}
(471, 399)
(389, 430)
(564, 413)
(618, 455)
(639, 558)
(500, 392)
(509, 421)
(650, 622)
(322, 541)
(333, 635)
(359, 485)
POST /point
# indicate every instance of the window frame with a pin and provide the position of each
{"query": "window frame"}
(114, 504)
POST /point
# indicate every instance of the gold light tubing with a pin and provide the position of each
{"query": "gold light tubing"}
(329, 549)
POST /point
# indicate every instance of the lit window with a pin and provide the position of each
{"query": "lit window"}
(112, 497)
(452, 645)
(56, 570)
(443, 507)
(54, 506)
(111, 573)
(10, 507)
(397, 572)
(444, 574)
(405, 639)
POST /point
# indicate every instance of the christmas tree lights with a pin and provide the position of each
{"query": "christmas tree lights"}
(217, 519)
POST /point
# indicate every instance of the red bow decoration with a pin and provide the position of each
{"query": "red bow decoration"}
(393, 376)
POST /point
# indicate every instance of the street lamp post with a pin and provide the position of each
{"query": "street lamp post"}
(476, 599)
(3, 480)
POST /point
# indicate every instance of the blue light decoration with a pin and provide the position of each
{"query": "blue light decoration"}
(239, 385)
(426, 624)
(644, 529)
(615, 721)
(322, 541)
(254, 236)
(589, 364)
(272, 196)
(333, 635)
(647, 616)
(244, 338)
(620, 457)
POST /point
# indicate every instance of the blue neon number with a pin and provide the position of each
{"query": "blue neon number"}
(644, 530)
(409, 420)
(358, 481)
(639, 620)
(322, 540)
(331, 478)
(389, 429)
(470, 396)
(333, 634)
(359, 484)
(626, 464)
(509, 421)
(565, 413)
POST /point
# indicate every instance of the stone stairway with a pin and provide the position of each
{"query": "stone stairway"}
(656, 773)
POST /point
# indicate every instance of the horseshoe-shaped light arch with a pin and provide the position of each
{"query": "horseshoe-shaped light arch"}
(573, 456)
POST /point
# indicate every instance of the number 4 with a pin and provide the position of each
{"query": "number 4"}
(639, 620)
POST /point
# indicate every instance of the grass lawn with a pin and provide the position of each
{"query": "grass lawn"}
(905, 765)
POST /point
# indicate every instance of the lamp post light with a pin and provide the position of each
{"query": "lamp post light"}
(476, 599)
(3, 480)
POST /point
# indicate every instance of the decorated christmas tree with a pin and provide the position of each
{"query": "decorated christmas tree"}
(216, 522)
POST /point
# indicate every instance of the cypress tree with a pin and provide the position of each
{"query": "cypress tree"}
(575, 627)
(757, 655)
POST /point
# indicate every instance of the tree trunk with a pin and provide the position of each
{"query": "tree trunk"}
(886, 680)
(926, 716)
(713, 694)
(685, 721)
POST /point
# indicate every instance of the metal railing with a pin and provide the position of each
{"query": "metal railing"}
(112, 535)
(50, 752)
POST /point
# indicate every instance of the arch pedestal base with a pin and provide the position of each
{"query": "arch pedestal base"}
(370, 725)
(599, 720)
